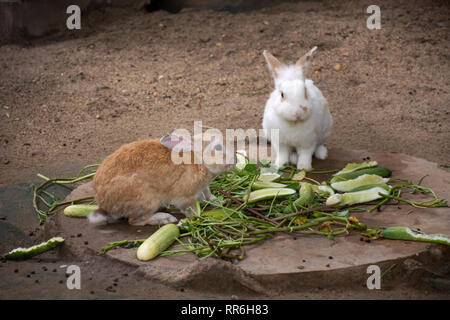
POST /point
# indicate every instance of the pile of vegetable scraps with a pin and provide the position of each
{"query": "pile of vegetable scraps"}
(256, 201)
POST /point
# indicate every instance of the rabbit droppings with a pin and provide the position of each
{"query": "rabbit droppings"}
(299, 110)
(140, 177)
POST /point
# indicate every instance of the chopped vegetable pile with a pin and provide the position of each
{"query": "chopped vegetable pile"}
(254, 202)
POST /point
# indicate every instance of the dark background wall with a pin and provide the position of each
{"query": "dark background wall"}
(27, 19)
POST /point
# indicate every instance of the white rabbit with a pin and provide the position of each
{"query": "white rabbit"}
(299, 110)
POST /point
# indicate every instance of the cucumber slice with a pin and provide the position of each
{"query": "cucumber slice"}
(370, 186)
(325, 189)
(380, 171)
(405, 233)
(79, 210)
(306, 195)
(26, 253)
(269, 193)
(241, 159)
(268, 177)
(362, 180)
(299, 176)
(350, 198)
(263, 185)
(350, 167)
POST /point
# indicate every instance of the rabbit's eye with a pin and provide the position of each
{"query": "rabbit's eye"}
(218, 147)
(282, 95)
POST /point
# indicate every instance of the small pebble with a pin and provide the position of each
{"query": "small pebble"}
(54, 270)
(32, 272)
(79, 235)
(60, 281)
(337, 67)
(301, 267)
(86, 243)
(92, 292)
(182, 289)
(327, 265)
(330, 257)
(16, 270)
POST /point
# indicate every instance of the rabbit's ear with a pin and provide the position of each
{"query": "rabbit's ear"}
(273, 63)
(176, 143)
(305, 61)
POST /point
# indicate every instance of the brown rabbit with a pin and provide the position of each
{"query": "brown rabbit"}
(140, 177)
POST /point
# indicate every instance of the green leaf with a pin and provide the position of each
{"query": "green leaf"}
(251, 168)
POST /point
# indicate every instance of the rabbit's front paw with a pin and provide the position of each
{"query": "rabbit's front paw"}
(304, 166)
(321, 152)
(161, 218)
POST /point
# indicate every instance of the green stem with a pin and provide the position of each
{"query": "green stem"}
(313, 223)
(323, 172)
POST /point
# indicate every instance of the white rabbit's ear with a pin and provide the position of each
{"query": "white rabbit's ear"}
(176, 143)
(273, 63)
(305, 61)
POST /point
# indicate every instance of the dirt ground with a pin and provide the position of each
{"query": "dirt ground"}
(128, 75)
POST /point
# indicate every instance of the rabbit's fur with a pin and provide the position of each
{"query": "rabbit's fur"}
(140, 177)
(299, 110)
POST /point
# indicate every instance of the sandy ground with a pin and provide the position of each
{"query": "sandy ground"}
(128, 75)
(132, 75)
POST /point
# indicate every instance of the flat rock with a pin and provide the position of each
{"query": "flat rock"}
(287, 261)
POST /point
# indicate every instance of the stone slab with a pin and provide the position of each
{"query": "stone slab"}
(291, 259)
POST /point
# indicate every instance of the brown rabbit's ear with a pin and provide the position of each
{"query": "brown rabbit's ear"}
(305, 61)
(273, 63)
(176, 143)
